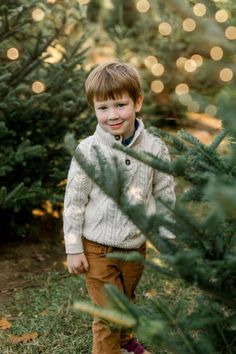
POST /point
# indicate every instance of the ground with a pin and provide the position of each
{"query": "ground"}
(20, 261)
(38, 294)
(36, 298)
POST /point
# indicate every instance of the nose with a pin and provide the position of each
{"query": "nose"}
(113, 114)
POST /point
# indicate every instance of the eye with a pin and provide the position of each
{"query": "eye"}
(102, 108)
(120, 104)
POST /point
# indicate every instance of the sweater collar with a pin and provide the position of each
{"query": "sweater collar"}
(128, 140)
(109, 139)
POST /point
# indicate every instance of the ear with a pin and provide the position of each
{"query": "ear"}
(139, 103)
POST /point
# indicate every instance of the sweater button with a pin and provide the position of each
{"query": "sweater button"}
(127, 162)
(117, 137)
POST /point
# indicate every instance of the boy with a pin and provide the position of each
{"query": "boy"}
(93, 224)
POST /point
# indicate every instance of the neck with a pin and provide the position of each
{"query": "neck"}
(129, 137)
(129, 134)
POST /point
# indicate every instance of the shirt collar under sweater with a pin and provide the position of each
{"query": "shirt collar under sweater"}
(109, 139)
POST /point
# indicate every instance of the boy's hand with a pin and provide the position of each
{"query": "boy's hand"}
(77, 263)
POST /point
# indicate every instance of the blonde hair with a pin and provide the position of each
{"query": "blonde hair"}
(110, 80)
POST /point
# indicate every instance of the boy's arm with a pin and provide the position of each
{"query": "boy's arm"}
(76, 197)
(163, 188)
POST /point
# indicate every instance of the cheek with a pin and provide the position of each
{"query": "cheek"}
(101, 118)
(129, 114)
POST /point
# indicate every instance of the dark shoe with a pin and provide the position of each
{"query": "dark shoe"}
(133, 346)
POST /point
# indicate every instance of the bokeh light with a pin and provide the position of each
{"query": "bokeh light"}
(211, 110)
(189, 24)
(221, 16)
(198, 59)
(158, 69)
(149, 61)
(185, 99)
(230, 33)
(135, 61)
(181, 89)
(199, 9)
(157, 86)
(193, 106)
(190, 65)
(216, 53)
(13, 53)
(143, 5)
(38, 14)
(180, 62)
(38, 87)
(56, 54)
(165, 29)
(226, 74)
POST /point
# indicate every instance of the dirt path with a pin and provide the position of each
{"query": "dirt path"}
(20, 261)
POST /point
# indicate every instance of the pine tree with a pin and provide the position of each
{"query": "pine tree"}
(169, 51)
(42, 53)
(204, 254)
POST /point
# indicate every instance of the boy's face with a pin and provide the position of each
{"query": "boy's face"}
(117, 116)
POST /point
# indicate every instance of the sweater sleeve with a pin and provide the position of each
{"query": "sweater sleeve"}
(163, 188)
(76, 197)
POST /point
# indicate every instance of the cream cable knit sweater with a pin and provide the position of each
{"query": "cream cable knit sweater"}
(89, 212)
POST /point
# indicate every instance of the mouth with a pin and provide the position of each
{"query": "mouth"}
(116, 125)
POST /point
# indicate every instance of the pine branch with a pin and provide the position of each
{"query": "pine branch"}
(6, 26)
(224, 195)
(120, 301)
(16, 27)
(136, 257)
(210, 155)
(186, 339)
(193, 194)
(110, 182)
(183, 216)
(152, 160)
(122, 319)
(189, 138)
(169, 138)
(218, 139)
(32, 62)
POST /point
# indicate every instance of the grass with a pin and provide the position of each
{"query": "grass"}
(46, 308)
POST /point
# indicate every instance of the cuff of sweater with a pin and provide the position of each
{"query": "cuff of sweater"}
(166, 233)
(74, 247)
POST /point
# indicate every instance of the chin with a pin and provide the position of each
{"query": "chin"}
(116, 132)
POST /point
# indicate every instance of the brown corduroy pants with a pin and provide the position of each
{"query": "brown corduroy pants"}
(124, 275)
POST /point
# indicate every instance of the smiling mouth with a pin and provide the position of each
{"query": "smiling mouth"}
(116, 125)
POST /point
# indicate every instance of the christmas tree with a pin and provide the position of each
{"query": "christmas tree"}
(203, 220)
(42, 54)
(179, 67)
